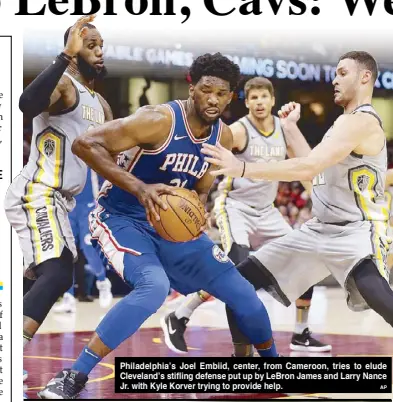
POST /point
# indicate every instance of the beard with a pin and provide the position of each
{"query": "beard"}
(89, 72)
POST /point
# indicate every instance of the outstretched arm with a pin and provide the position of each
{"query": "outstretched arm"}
(349, 132)
(204, 184)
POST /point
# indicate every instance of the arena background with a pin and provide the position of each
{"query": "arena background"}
(147, 70)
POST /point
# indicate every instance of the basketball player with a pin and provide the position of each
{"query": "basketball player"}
(166, 143)
(79, 219)
(246, 216)
(63, 104)
(347, 237)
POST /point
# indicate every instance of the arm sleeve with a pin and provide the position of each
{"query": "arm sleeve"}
(36, 97)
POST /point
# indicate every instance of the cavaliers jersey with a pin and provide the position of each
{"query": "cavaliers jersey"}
(353, 189)
(260, 147)
(51, 161)
(178, 162)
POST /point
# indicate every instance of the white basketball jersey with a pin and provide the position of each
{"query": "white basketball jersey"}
(51, 161)
(353, 189)
(259, 148)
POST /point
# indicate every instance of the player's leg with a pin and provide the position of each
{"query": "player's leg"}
(285, 268)
(374, 289)
(202, 265)
(356, 256)
(67, 304)
(131, 252)
(46, 239)
(271, 225)
(95, 264)
(233, 226)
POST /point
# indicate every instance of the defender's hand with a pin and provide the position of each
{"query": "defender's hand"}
(290, 113)
(223, 158)
(77, 33)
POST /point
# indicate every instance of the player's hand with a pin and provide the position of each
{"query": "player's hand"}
(149, 196)
(77, 33)
(290, 113)
(223, 158)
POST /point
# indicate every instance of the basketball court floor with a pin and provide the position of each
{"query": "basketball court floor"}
(62, 337)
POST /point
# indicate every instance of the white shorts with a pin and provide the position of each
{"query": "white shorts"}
(39, 214)
(308, 255)
(246, 226)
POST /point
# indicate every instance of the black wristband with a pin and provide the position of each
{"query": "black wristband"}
(244, 169)
(65, 57)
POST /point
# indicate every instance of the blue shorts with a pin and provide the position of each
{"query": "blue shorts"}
(190, 266)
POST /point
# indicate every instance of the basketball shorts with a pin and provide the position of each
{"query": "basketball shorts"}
(246, 226)
(308, 255)
(127, 243)
(39, 215)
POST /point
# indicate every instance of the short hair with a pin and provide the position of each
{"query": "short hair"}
(258, 83)
(67, 32)
(215, 65)
(365, 60)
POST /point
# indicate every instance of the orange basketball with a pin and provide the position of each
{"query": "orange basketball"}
(184, 217)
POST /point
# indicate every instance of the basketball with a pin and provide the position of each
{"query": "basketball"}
(184, 217)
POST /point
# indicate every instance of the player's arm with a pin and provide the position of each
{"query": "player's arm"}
(306, 184)
(239, 137)
(204, 184)
(289, 116)
(349, 132)
(50, 88)
(148, 127)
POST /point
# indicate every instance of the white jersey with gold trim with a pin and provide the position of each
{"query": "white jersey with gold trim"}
(39, 199)
(352, 190)
(260, 147)
(51, 160)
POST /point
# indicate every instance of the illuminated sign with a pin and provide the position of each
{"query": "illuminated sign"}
(278, 69)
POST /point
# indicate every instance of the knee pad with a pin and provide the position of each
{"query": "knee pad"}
(307, 295)
(253, 270)
(54, 277)
(374, 289)
(238, 253)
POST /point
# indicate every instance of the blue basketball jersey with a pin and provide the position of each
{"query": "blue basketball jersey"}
(178, 162)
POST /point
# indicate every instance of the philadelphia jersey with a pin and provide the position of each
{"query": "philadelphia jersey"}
(178, 162)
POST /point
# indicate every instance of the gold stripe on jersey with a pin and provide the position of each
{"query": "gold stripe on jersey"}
(50, 165)
(222, 218)
(45, 235)
(380, 247)
(363, 182)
